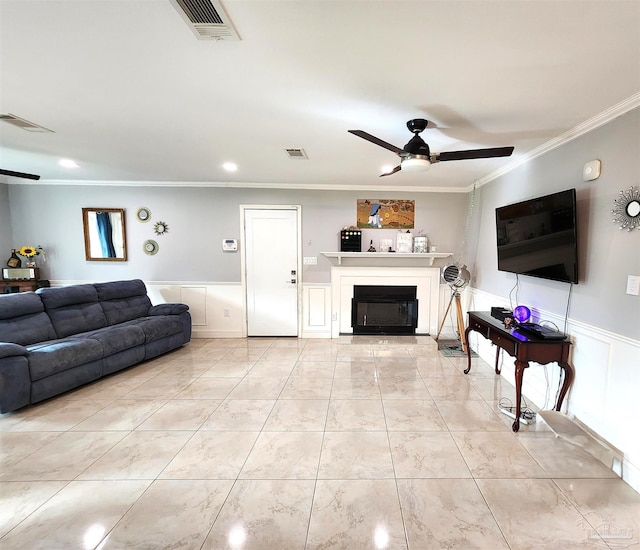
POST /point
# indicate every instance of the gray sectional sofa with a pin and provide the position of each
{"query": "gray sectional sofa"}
(56, 339)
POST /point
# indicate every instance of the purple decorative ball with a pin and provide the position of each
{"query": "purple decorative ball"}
(522, 314)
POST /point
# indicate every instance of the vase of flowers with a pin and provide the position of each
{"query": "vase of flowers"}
(30, 253)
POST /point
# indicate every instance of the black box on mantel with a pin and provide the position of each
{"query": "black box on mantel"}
(350, 240)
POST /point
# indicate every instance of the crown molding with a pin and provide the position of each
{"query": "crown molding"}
(593, 123)
(252, 185)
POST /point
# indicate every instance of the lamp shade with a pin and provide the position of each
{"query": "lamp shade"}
(456, 277)
(522, 314)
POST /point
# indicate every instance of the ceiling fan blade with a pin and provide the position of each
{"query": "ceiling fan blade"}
(378, 141)
(18, 174)
(390, 172)
(474, 154)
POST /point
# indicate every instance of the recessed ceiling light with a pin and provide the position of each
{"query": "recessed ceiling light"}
(230, 166)
(68, 163)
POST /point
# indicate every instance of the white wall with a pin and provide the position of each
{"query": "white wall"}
(602, 319)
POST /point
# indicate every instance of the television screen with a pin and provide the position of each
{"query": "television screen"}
(537, 237)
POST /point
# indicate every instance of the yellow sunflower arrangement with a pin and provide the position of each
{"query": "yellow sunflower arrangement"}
(28, 251)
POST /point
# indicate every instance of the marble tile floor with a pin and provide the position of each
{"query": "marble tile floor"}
(358, 442)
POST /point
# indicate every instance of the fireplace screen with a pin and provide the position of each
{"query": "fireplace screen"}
(384, 310)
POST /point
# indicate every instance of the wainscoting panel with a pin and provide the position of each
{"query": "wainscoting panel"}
(216, 308)
(316, 308)
(196, 298)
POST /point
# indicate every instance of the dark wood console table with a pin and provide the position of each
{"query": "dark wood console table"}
(22, 285)
(18, 285)
(524, 349)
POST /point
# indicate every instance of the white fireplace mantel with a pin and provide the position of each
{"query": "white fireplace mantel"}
(425, 279)
(385, 258)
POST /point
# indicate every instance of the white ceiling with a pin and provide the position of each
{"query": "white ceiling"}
(133, 96)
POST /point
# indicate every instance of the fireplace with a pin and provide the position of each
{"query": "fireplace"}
(345, 277)
(383, 309)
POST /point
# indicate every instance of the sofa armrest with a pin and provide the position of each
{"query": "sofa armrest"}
(10, 350)
(168, 309)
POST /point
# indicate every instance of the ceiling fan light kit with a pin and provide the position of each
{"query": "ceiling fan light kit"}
(417, 163)
(416, 156)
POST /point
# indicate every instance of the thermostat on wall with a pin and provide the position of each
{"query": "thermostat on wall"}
(229, 245)
(591, 170)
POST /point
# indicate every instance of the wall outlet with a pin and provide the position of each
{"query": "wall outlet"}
(227, 312)
(633, 285)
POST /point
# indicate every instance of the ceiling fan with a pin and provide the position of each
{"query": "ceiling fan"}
(416, 156)
(18, 174)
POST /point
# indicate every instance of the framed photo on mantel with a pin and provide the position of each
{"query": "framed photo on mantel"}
(385, 214)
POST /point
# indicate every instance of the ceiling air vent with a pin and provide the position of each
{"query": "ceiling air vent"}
(296, 154)
(24, 124)
(206, 19)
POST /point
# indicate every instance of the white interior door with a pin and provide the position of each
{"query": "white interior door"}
(271, 271)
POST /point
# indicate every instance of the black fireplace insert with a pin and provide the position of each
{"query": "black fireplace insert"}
(384, 309)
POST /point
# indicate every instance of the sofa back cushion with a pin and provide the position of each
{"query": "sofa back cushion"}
(123, 300)
(23, 319)
(73, 309)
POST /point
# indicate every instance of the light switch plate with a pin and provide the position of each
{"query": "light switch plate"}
(633, 285)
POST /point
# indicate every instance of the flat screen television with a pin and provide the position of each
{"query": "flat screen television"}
(538, 237)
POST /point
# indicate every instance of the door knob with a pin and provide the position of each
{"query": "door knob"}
(293, 281)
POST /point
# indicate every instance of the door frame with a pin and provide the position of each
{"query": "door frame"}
(243, 267)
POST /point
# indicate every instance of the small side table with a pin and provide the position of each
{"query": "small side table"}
(524, 349)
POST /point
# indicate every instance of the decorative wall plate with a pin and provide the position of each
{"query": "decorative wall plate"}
(626, 212)
(161, 228)
(143, 214)
(150, 247)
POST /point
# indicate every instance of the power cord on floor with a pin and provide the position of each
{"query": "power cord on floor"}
(525, 412)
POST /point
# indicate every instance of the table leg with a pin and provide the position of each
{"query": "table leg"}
(520, 366)
(466, 339)
(497, 359)
(568, 379)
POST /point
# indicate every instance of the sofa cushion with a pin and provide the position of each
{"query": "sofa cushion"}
(116, 339)
(123, 301)
(156, 328)
(47, 358)
(23, 319)
(73, 309)
(168, 309)
(64, 381)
